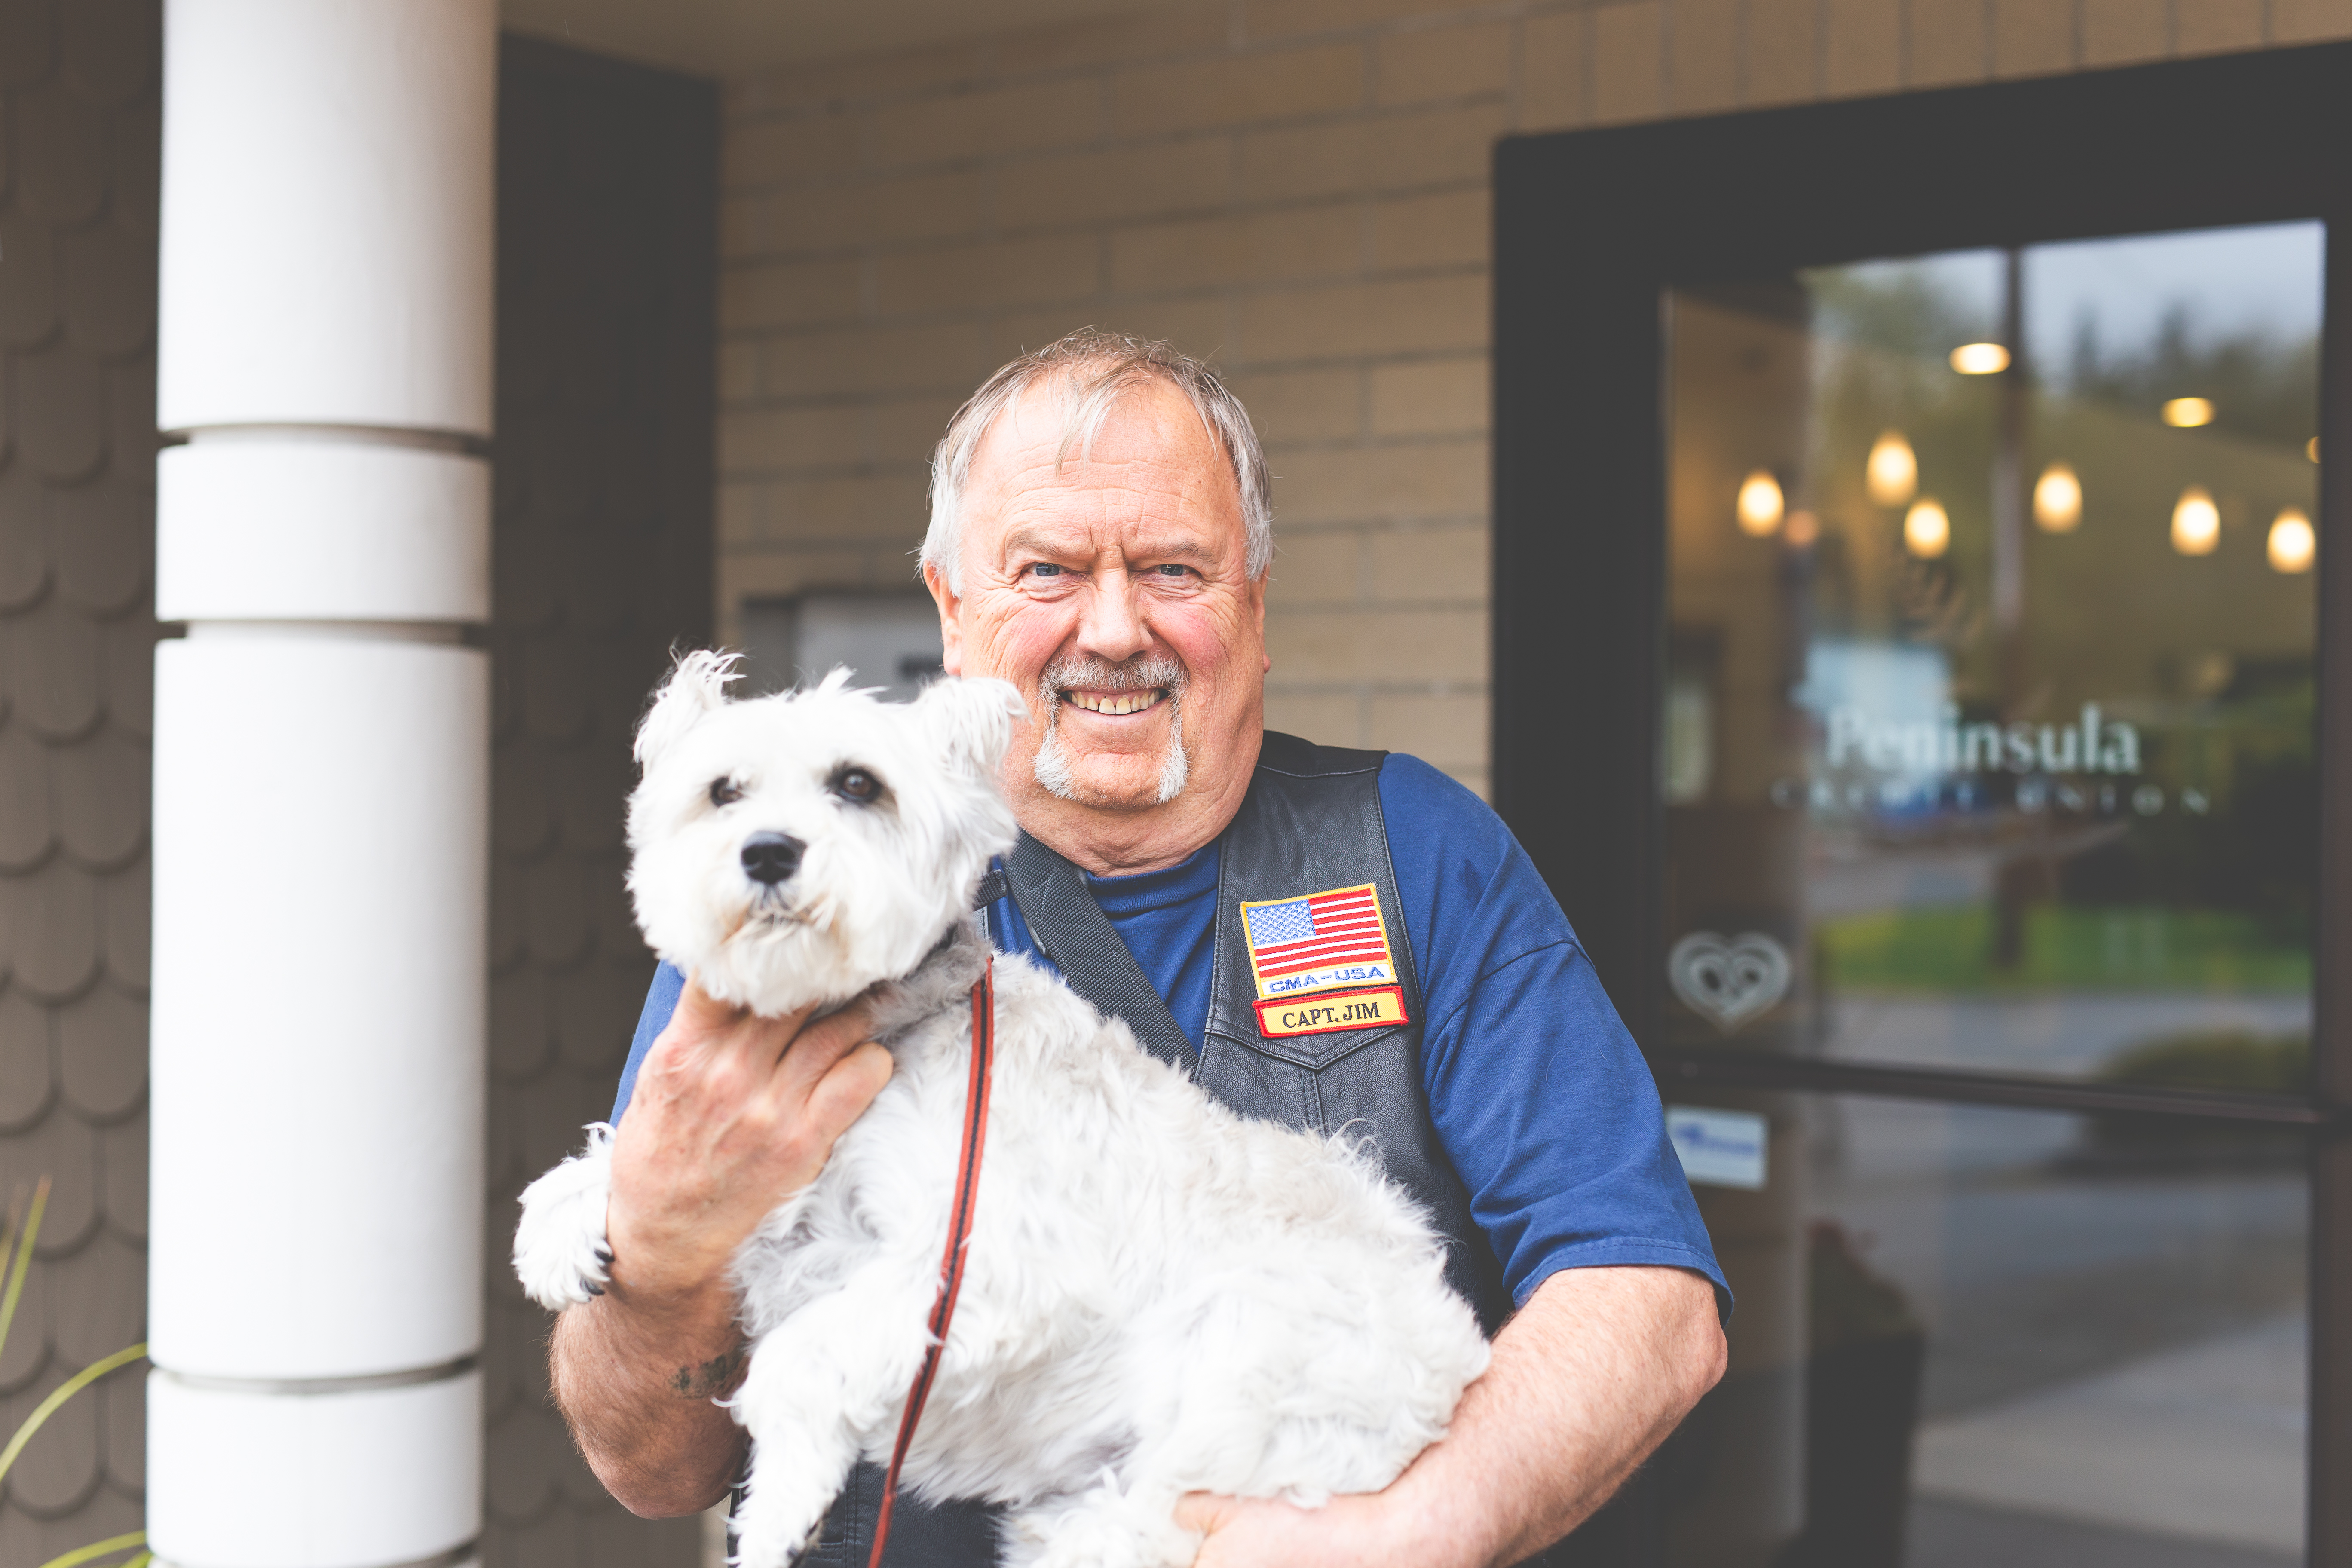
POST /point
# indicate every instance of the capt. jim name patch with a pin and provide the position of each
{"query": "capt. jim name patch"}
(1328, 1013)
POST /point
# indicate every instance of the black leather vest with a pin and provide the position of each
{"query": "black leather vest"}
(1311, 822)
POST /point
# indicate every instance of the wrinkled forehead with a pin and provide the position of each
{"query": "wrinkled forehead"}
(1142, 457)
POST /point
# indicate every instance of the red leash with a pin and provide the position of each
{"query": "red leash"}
(967, 1195)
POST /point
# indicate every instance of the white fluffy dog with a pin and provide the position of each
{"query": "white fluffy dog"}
(1159, 1297)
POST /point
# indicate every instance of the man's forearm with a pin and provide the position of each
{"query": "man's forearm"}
(1589, 1378)
(637, 1384)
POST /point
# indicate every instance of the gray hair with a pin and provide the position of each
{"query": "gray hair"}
(1094, 367)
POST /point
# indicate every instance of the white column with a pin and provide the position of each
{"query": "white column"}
(322, 784)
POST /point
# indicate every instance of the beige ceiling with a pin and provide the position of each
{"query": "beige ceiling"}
(726, 37)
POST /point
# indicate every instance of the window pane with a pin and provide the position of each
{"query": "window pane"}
(1988, 717)
(1969, 1336)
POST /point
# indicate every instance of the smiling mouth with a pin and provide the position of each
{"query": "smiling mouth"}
(1115, 704)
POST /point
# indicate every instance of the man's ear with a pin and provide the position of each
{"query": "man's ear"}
(950, 619)
(971, 720)
(694, 688)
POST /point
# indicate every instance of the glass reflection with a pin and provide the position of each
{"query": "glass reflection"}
(1969, 1336)
(1989, 743)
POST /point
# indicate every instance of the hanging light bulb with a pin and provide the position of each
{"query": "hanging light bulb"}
(2057, 499)
(1980, 359)
(2187, 413)
(1760, 504)
(2293, 544)
(1893, 472)
(1926, 529)
(2195, 522)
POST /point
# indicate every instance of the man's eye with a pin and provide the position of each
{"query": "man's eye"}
(725, 791)
(857, 786)
(1044, 569)
(1173, 569)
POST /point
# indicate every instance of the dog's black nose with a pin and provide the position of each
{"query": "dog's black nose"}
(772, 858)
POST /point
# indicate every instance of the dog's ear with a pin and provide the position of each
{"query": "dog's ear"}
(696, 687)
(971, 720)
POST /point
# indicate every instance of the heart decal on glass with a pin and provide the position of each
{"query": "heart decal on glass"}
(1728, 980)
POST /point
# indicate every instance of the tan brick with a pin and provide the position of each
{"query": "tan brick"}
(1323, 568)
(1555, 71)
(1066, 113)
(872, 359)
(839, 216)
(772, 439)
(1398, 645)
(1442, 230)
(757, 572)
(774, 151)
(1131, 182)
(1784, 51)
(845, 79)
(994, 273)
(1628, 61)
(1425, 63)
(1196, 325)
(1325, 718)
(789, 294)
(1267, 246)
(2031, 38)
(1448, 730)
(1947, 42)
(2124, 32)
(1862, 49)
(2202, 27)
(1376, 483)
(1422, 565)
(1295, 406)
(1392, 152)
(876, 506)
(1154, 32)
(739, 371)
(1403, 316)
(742, 512)
(905, 430)
(1265, 20)
(1287, 84)
(1432, 397)
(2309, 21)
(1703, 56)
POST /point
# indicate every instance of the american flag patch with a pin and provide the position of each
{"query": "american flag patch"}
(1323, 942)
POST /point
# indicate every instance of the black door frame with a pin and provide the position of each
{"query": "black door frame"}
(1592, 227)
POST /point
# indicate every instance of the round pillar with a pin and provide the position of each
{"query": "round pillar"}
(322, 784)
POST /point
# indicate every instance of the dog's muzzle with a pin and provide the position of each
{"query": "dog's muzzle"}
(771, 859)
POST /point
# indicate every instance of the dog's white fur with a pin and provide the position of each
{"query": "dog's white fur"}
(1160, 1296)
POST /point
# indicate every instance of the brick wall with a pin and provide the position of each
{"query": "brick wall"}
(1297, 188)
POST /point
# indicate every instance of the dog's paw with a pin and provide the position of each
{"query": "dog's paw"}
(561, 1254)
(770, 1536)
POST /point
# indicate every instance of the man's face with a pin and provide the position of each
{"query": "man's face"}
(1116, 595)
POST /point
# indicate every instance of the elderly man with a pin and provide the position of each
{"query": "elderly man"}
(1100, 536)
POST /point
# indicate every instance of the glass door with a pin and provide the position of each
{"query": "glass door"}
(1986, 734)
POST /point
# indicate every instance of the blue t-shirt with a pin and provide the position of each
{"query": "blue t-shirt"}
(1535, 1090)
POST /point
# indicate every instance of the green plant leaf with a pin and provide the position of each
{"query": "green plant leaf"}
(60, 1395)
(23, 1259)
(98, 1549)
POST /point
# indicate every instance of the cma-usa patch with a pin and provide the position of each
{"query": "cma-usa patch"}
(1321, 942)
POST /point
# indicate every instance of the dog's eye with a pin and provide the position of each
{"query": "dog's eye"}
(725, 791)
(858, 785)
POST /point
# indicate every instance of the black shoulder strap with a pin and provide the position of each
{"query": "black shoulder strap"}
(1072, 930)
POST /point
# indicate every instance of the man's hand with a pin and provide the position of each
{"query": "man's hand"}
(732, 1114)
(1588, 1378)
